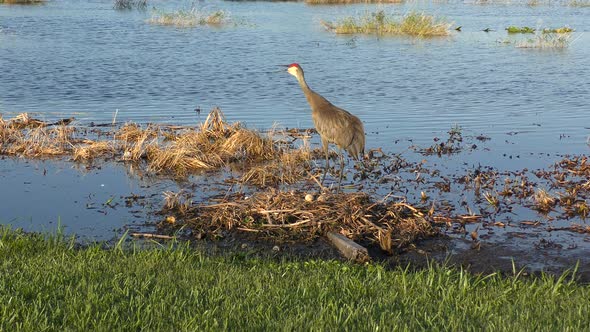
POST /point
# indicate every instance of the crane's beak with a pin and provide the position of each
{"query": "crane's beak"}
(284, 66)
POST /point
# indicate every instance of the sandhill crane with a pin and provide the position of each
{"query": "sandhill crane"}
(334, 124)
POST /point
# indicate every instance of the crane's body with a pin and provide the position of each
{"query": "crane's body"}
(334, 124)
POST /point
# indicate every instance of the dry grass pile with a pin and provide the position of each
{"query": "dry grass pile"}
(89, 150)
(171, 150)
(28, 137)
(212, 146)
(291, 166)
(295, 216)
(572, 174)
(412, 24)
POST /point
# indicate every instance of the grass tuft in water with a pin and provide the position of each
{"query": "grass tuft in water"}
(412, 24)
(189, 18)
(579, 3)
(546, 41)
(543, 201)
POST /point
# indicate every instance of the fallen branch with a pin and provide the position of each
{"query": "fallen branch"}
(153, 236)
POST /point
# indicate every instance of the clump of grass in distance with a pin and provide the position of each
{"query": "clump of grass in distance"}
(515, 29)
(413, 24)
(546, 41)
(130, 4)
(558, 30)
(579, 3)
(189, 18)
(342, 2)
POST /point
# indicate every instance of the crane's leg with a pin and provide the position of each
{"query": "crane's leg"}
(327, 153)
(341, 168)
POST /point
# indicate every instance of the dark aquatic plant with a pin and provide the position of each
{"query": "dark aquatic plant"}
(22, 2)
(130, 4)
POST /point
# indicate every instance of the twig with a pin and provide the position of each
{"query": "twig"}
(153, 236)
(247, 229)
(299, 223)
(115, 117)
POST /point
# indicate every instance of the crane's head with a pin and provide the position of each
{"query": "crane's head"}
(295, 69)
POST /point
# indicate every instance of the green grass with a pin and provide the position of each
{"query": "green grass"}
(48, 284)
(413, 24)
(188, 18)
(515, 29)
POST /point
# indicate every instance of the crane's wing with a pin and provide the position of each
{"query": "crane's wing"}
(340, 127)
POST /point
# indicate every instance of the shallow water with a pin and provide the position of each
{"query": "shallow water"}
(95, 204)
(84, 59)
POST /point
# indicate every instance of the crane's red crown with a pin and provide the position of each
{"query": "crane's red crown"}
(295, 65)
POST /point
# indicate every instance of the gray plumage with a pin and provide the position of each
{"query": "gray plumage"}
(334, 124)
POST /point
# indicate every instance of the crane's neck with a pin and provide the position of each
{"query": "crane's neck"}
(306, 89)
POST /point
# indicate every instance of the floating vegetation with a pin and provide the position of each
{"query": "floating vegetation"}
(546, 41)
(543, 201)
(515, 29)
(452, 145)
(343, 2)
(558, 30)
(189, 18)
(130, 4)
(412, 24)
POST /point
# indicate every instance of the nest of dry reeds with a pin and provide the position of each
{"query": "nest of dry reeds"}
(294, 216)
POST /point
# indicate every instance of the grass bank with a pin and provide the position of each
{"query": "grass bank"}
(46, 283)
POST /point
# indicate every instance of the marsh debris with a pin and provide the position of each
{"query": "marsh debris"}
(287, 216)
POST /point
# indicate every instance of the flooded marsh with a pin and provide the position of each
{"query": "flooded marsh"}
(487, 143)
